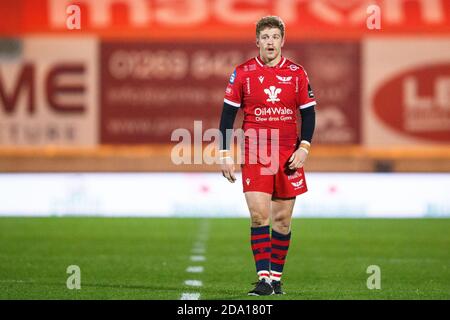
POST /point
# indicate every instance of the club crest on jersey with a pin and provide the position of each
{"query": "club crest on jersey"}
(261, 79)
(272, 92)
(284, 80)
(293, 67)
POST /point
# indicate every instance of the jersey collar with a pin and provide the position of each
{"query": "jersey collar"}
(279, 65)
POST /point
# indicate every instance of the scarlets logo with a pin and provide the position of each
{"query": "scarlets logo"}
(298, 184)
(284, 80)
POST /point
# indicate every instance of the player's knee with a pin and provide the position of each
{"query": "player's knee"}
(259, 220)
(283, 229)
(282, 224)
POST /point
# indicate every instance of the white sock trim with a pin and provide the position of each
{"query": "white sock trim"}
(275, 275)
(264, 274)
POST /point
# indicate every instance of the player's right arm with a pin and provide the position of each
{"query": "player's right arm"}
(231, 105)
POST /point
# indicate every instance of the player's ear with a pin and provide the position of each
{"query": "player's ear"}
(257, 42)
(282, 42)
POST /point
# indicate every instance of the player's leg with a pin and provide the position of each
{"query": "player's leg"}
(281, 215)
(288, 184)
(259, 207)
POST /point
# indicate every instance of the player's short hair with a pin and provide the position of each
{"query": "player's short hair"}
(270, 22)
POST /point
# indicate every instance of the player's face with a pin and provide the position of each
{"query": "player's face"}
(270, 43)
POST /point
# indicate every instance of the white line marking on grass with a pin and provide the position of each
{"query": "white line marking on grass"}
(190, 296)
(15, 281)
(199, 244)
(193, 283)
(198, 258)
(198, 250)
(196, 269)
(202, 236)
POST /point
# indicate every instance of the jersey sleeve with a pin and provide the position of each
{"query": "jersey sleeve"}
(233, 93)
(305, 95)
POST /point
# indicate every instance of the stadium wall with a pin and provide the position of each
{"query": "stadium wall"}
(107, 96)
(202, 195)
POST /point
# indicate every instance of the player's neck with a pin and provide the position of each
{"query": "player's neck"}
(270, 63)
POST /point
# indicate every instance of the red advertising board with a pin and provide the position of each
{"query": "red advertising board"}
(48, 92)
(422, 99)
(151, 89)
(407, 92)
(334, 69)
(232, 19)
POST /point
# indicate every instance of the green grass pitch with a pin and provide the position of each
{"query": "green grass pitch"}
(147, 258)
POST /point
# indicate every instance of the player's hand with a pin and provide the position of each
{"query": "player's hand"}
(298, 159)
(227, 167)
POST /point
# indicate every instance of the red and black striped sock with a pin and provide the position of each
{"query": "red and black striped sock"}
(260, 240)
(280, 245)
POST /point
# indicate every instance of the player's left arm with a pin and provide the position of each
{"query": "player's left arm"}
(308, 121)
(300, 155)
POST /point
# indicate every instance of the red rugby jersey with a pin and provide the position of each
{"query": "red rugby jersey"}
(270, 96)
